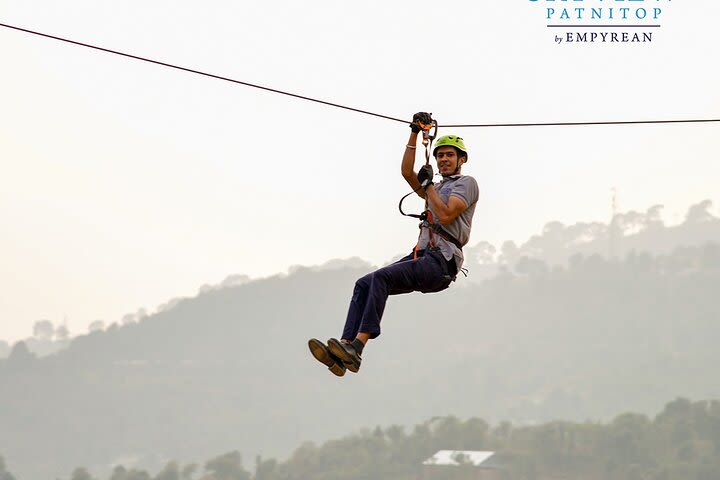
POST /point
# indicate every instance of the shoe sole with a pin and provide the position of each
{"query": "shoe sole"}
(337, 350)
(323, 355)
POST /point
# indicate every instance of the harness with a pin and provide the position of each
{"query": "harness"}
(426, 221)
(426, 217)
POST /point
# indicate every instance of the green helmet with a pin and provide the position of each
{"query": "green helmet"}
(451, 141)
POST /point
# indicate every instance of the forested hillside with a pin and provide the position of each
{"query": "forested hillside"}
(229, 369)
(682, 442)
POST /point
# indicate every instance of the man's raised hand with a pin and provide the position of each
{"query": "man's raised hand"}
(420, 120)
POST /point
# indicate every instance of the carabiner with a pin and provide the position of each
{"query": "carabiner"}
(428, 137)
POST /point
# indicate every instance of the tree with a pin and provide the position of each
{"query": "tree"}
(653, 217)
(81, 474)
(483, 253)
(188, 471)
(44, 330)
(583, 233)
(20, 355)
(62, 333)
(509, 253)
(531, 266)
(699, 213)
(96, 326)
(630, 222)
(137, 475)
(227, 467)
(136, 317)
(265, 469)
(119, 473)
(170, 472)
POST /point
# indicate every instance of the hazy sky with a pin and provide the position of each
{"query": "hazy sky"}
(125, 184)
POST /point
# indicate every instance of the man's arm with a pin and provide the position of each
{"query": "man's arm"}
(408, 165)
(445, 213)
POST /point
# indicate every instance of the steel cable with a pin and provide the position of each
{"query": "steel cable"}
(337, 105)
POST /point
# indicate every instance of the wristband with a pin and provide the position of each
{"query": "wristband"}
(411, 146)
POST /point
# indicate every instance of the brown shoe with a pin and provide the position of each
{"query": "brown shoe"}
(321, 353)
(346, 353)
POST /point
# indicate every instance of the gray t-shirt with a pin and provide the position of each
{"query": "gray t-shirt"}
(465, 188)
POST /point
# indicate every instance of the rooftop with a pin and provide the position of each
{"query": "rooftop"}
(458, 457)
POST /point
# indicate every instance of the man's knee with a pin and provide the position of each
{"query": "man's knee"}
(363, 283)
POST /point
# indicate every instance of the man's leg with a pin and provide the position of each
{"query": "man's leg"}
(369, 299)
(359, 302)
(423, 274)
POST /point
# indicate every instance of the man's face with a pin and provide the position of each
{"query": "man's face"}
(447, 160)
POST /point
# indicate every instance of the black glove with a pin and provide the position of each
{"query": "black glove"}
(420, 117)
(425, 176)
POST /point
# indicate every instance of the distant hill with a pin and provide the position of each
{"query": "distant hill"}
(627, 232)
(229, 369)
(680, 442)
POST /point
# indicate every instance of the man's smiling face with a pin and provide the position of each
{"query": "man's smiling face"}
(447, 161)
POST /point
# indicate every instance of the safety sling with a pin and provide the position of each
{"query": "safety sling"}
(426, 218)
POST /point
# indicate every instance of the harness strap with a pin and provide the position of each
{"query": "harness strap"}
(444, 234)
(433, 228)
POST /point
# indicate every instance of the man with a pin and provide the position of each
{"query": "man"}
(433, 264)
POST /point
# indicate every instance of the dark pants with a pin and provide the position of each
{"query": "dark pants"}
(430, 272)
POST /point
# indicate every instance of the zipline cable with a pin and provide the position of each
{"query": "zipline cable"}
(185, 69)
(556, 124)
(337, 105)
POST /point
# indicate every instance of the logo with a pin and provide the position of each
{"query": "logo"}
(603, 21)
